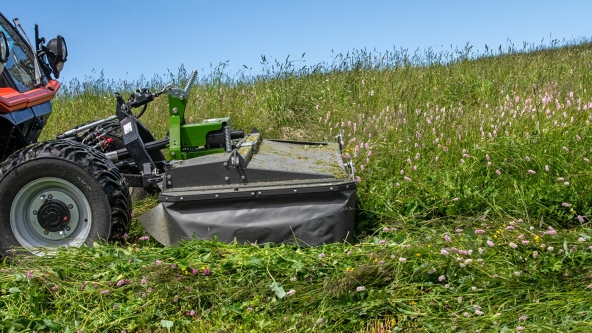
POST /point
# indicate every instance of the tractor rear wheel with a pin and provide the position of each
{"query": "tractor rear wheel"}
(60, 193)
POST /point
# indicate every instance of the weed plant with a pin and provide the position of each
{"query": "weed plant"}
(474, 204)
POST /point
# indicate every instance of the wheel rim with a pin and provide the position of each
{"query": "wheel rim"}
(50, 212)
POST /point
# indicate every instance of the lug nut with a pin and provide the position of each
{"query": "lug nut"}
(70, 206)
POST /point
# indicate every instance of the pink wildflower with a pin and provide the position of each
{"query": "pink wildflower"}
(55, 288)
(532, 172)
(444, 252)
(447, 238)
(144, 238)
(519, 328)
(565, 204)
(546, 168)
(581, 218)
(499, 173)
(490, 243)
(360, 288)
(512, 245)
(105, 292)
(176, 298)
(566, 183)
(403, 260)
(122, 282)
(143, 281)
(479, 231)
(30, 275)
(207, 272)
(523, 318)
(442, 278)
(290, 292)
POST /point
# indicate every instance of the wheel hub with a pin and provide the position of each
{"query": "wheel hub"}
(53, 215)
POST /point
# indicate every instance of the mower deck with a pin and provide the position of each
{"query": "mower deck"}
(262, 192)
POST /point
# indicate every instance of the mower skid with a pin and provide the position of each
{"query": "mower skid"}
(262, 192)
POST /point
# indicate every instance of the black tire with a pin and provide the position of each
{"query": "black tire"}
(45, 181)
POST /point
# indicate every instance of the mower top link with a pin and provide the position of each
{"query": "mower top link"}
(219, 182)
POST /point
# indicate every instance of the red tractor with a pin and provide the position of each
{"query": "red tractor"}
(54, 193)
(219, 182)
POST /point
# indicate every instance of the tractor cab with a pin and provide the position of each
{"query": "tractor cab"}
(27, 84)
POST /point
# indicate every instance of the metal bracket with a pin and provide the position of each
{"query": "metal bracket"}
(238, 162)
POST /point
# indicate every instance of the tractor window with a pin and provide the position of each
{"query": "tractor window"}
(20, 63)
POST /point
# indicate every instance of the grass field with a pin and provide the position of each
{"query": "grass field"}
(474, 205)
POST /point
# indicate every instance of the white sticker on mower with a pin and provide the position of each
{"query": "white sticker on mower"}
(127, 128)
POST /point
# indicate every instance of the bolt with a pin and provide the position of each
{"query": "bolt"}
(252, 193)
(170, 182)
(67, 228)
(331, 188)
(175, 110)
(243, 177)
(225, 163)
(168, 176)
(46, 232)
(43, 198)
(173, 153)
(295, 191)
(50, 197)
(226, 178)
(181, 198)
(216, 196)
(258, 193)
(34, 212)
(70, 206)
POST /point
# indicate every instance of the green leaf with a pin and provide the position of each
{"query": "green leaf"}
(49, 323)
(278, 289)
(168, 324)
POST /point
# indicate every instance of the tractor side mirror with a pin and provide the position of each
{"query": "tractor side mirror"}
(57, 54)
(4, 51)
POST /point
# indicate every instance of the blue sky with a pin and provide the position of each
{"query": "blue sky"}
(125, 39)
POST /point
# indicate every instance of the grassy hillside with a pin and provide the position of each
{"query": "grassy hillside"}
(474, 200)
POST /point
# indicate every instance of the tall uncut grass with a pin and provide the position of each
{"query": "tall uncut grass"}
(474, 204)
